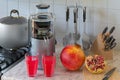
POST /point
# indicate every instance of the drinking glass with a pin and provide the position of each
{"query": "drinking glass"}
(48, 65)
(31, 65)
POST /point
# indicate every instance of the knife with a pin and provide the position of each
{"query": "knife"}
(110, 32)
(108, 74)
(112, 41)
(109, 39)
(107, 42)
(113, 45)
(105, 30)
(110, 44)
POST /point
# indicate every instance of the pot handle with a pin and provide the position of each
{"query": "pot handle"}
(14, 11)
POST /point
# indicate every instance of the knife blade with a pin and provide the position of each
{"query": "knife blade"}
(109, 73)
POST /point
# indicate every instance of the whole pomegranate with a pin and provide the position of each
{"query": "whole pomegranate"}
(72, 57)
(95, 64)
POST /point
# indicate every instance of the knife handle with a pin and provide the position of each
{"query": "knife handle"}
(113, 45)
(105, 38)
(113, 41)
(105, 30)
(111, 31)
(105, 78)
(109, 39)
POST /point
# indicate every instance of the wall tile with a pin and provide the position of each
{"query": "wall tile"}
(90, 14)
(90, 28)
(24, 8)
(100, 3)
(88, 3)
(12, 4)
(101, 15)
(60, 2)
(3, 8)
(114, 16)
(60, 11)
(99, 27)
(114, 4)
(60, 27)
(71, 2)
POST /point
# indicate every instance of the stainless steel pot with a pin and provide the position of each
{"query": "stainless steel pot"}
(14, 31)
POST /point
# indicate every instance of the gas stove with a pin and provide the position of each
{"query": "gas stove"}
(9, 59)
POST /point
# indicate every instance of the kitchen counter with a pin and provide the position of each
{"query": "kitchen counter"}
(19, 71)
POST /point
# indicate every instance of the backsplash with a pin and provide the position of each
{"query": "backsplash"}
(100, 13)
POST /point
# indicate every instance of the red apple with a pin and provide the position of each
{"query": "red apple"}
(72, 57)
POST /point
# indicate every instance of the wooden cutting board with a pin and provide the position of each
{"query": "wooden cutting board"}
(91, 76)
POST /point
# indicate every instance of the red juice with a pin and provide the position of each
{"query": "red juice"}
(32, 65)
(49, 65)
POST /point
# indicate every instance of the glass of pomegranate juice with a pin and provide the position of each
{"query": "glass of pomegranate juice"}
(31, 65)
(48, 65)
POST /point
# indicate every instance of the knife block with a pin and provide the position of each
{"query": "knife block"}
(98, 48)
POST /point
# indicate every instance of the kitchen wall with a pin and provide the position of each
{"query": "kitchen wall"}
(100, 13)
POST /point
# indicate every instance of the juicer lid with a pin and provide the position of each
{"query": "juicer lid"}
(42, 6)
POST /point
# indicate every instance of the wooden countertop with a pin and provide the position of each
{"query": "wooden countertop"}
(19, 71)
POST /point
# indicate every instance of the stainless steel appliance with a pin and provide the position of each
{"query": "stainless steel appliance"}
(43, 39)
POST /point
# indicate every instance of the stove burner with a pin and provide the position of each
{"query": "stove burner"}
(9, 59)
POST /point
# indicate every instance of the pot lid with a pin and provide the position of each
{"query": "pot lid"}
(13, 20)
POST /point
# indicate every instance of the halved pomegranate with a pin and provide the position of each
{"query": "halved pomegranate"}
(95, 64)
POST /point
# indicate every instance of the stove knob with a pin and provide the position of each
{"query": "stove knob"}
(8, 61)
(16, 58)
(3, 65)
(0, 61)
(22, 52)
(19, 54)
(13, 57)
